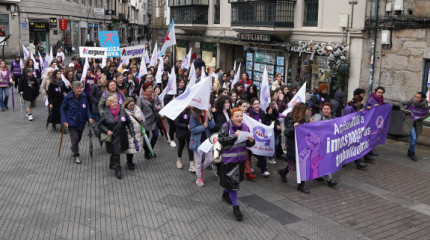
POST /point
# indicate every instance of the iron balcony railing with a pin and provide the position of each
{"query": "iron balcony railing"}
(190, 14)
(311, 13)
(278, 13)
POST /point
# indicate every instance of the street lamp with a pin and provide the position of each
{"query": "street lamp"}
(353, 2)
(3, 41)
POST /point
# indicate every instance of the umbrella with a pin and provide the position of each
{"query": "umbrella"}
(164, 128)
(13, 99)
(148, 144)
(90, 137)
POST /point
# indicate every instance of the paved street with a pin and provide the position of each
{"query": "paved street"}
(43, 196)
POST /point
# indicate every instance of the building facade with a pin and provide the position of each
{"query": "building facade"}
(159, 17)
(402, 56)
(78, 21)
(310, 41)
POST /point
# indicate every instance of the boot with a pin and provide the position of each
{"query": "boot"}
(302, 188)
(130, 164)
(147, 154)
(413, 157)
(283, 173)
(192, 168)
(250, 176)
(226, 197)
(374, 154)
(368, 159)
(332, 182)
(118, 172)
(409, 153)
(179, 163)
(54, 127)
(237, 213)
(361, 165)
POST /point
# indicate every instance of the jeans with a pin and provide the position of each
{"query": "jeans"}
(413, 139)
(154, 137)
(3, 101)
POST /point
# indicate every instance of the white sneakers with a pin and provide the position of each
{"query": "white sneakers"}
(192, 168)
(172, 144)
(271, 160)
(179, 163)
(266, 174)
(200, 182)
(30, 116)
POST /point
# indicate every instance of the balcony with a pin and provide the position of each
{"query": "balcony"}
(265, 13)
(190, 14)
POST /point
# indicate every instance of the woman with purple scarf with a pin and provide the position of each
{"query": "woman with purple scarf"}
(234, 155)
(417, 110)
(375, 99)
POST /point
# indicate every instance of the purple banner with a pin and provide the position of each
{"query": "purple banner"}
(323, 147)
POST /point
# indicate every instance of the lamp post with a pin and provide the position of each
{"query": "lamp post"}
(4, 41)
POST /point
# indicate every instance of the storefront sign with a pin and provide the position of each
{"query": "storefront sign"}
(255, 37)
(98, 11)
(53, 23)
(63, 24)
(299, 49)
(92, 52)
(110, 40)
(133, 52)
(39, 27)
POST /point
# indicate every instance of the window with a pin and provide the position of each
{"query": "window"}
(311, 13)
(217, 13)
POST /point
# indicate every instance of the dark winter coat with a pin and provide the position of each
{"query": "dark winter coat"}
(181, 124)
(219, 119)
(316, 101)
(290, 134)
(337, 104)
(29, 87)
(119, 142)
(75, 111)
(56, 92)
(274, 117)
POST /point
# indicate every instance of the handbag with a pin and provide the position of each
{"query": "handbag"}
(104, 137)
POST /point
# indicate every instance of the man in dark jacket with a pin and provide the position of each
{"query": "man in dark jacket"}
(75, 113)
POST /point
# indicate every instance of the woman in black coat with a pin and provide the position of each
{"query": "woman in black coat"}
(114, 123)
(183, 134)
(222, 113)
(294, 118)
(56, 92)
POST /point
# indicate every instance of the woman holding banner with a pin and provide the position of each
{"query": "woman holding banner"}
(234, 155)
(258, 114)
(417, 110)
(294, 118)
(325, 115)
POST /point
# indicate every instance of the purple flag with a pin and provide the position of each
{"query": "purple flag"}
(323, 147)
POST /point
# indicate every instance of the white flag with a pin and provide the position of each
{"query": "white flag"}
(187, 60)
(103, 64)
(299, 97)
(159, 73)
(36, 64)
(197, 96)
(236, 77)
(21, 63)
(65, 81)
(264, 137)
(169, 39)
(192, 71)
(234, 66)
(265, 91)
(147, 59)
(85, 69)
(170, 88)
(26, 52)
(154, 57)
(203, 74)
(51, 55)
(142, 70)
(40, 57)
(193, 77)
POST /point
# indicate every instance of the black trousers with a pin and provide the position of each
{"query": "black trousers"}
(75, 138)
(115, 161)
(172, 129)
(181, 146)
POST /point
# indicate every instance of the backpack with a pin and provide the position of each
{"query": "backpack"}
(310, 99)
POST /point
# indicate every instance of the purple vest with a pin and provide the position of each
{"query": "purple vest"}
(235, 152)
(4, 80)
(16, 69)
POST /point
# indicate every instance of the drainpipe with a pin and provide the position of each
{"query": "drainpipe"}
(372, 57)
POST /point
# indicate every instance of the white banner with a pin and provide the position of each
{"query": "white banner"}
(299, 97)
(92, 52)
(197, 96)
(264, 137)
(133, 52)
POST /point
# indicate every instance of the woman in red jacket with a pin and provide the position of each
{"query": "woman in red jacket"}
(245, 81)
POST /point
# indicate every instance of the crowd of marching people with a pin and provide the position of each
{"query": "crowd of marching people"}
(122, 102)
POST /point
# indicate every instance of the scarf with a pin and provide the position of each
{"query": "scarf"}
(379, 99)
(115, 112)
(418, 110)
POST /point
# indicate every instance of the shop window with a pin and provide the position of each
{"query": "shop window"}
(425, 88)
(311, 13)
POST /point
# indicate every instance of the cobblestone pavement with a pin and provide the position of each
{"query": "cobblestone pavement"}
(43, 196)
